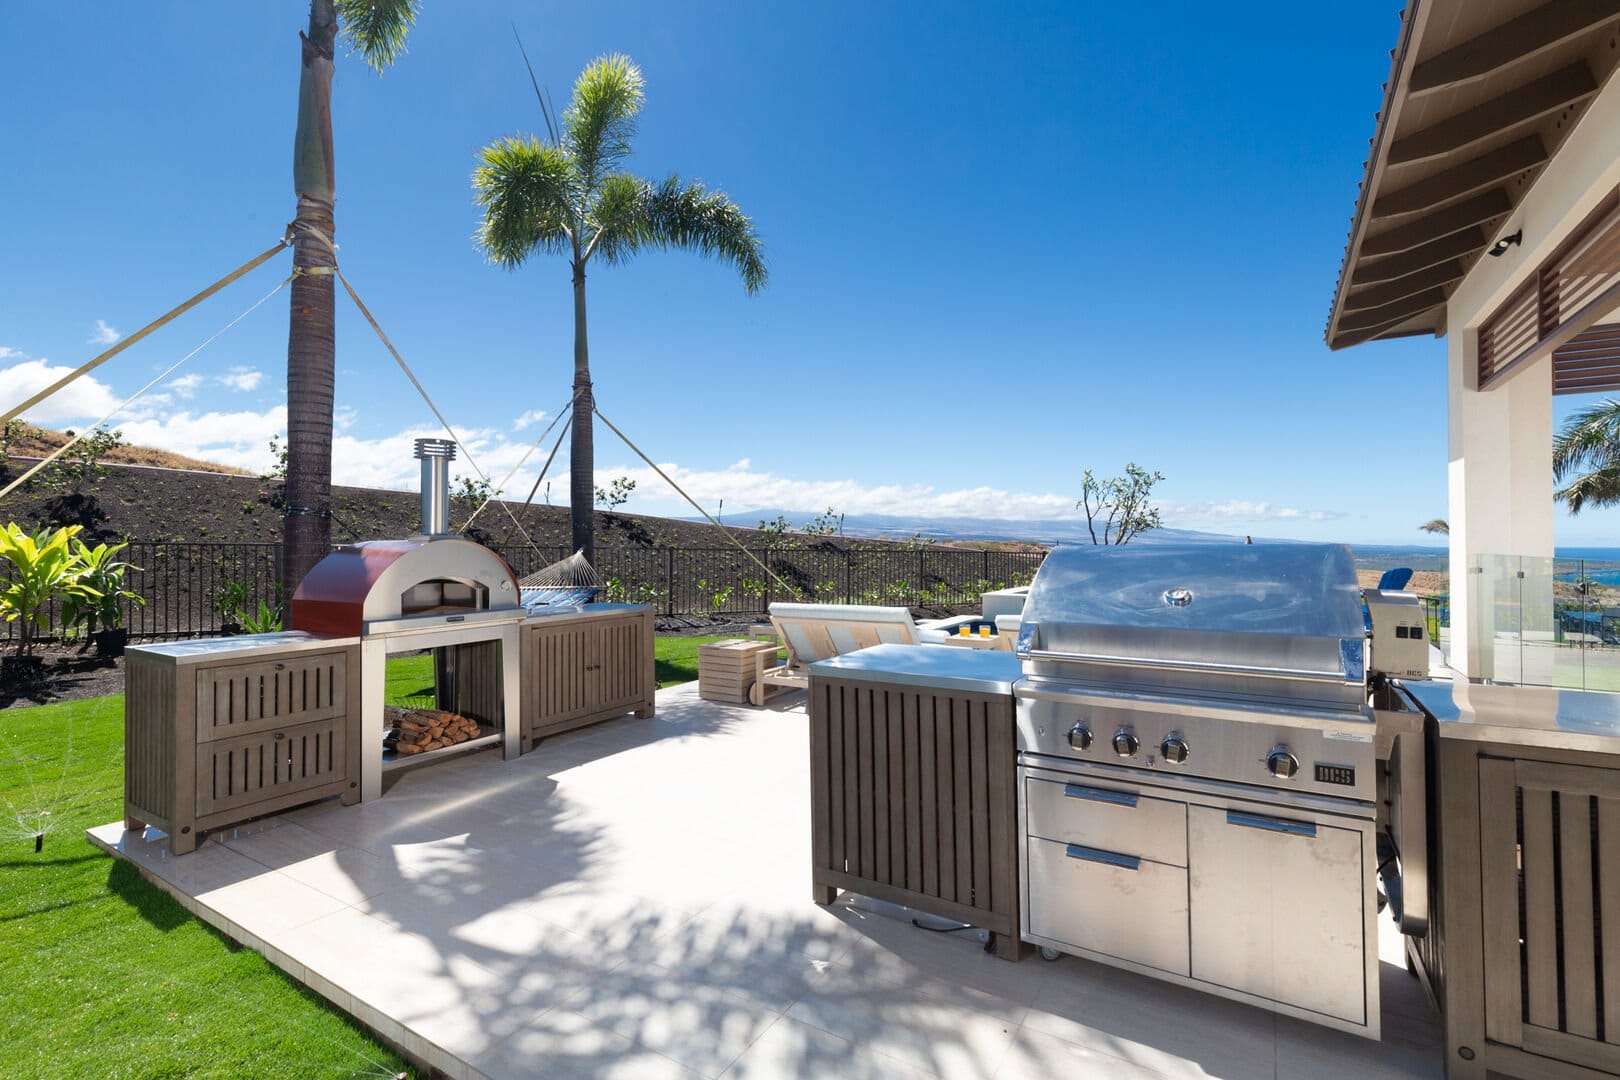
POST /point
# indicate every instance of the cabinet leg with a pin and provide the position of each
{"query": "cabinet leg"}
(134, 824)
(1009, 947)
(183, 843)
(824, 894)
(350, 797)
(646, 713)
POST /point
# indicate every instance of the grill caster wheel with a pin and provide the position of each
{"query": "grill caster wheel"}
(1048, 953)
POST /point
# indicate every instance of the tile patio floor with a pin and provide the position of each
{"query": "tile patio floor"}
(632, 900)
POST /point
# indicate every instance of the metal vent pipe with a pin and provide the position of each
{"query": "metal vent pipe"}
(436, 456)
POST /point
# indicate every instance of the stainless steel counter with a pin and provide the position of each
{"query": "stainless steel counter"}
(562, 614)
(1544, 717)
(976, 671)
(239, 647)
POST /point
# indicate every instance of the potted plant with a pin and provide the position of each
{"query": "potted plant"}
(230, 601)
(44, 566)
(97, 604)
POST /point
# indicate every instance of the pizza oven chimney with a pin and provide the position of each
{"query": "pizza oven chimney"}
(436, 456)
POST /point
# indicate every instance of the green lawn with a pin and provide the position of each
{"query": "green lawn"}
(410, 678)
(107, 976)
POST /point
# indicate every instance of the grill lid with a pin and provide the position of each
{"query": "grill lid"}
(1211, 615)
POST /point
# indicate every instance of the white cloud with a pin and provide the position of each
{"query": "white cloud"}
(1240, 510)
(242, 378)
(103, 334)
(741, 486)
(185, 385)
(529, 419)
(85, 398)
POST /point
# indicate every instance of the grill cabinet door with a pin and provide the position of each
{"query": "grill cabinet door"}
(1108, 902)
(1277, 909)
(1548, 834)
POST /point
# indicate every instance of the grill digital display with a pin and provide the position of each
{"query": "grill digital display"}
(1336, 774)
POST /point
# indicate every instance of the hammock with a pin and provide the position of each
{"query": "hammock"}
(570, 583)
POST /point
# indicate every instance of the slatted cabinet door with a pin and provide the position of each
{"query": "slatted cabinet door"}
(578, 669)
(240, 699)
(248, 769)
(1548, 833)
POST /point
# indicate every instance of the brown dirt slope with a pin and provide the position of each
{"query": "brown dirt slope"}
(218, 507)
(28, 441)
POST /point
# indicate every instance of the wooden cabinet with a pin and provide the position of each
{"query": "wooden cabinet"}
(221, 730)
(913, 795)
(582, 667)
(1525, 890)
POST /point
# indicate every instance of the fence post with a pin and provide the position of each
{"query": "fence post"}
(765, 561)
(669, 581)
(849, 576)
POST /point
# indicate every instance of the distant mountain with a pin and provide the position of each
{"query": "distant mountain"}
(899, 527)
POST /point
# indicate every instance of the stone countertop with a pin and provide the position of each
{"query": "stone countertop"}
(1534, 716)
(976, 671)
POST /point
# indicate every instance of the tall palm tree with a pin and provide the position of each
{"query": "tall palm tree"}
(568, 195)
(1587, 455)
(1436, 525)
(377, 30)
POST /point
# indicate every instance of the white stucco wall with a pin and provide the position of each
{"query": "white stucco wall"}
(1500, 444)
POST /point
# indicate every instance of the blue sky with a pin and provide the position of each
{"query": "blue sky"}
(1007, 243)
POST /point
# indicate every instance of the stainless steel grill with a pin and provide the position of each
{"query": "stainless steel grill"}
(1197, 771)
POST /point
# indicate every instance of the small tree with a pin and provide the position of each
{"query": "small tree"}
(1119, 505)
(616, 494)
(825, 524)
(81, 466)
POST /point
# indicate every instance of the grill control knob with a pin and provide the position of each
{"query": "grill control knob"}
(1282, 764)
(1126, 744)
(1080, 737)
(1174, 750)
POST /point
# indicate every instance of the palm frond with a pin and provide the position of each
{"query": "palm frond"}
(524, 187)
(377, 29)
(601, 118)
(1597, 488)
(543, 98)
(1590, 440)
(691, 217)
(619, 217)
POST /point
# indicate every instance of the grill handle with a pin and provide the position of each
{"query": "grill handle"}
(1270, 824)
(1080, 791)
(1107, 858)
(1206, 668)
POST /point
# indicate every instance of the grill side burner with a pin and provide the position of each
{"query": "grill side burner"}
(1198, 773)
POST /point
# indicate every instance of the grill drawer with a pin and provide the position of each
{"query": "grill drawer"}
(1115, 819)
(1108, 903)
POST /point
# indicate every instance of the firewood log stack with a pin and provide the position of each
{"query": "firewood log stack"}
(416, 731)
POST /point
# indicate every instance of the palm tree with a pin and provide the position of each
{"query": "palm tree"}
(1436, 525)
(1587, 454)
(377, 30)
(568, 195)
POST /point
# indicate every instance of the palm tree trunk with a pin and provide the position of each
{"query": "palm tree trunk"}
(311, 338)
(581, 452)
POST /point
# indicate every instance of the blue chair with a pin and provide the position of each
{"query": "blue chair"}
(1397, 579)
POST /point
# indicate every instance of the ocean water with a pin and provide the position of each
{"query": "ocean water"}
(1598, 564)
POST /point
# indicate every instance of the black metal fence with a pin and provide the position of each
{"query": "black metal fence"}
(189, 589)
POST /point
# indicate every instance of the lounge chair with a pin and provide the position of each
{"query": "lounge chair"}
(811, 632)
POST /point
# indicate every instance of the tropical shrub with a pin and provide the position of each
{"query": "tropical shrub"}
(96, 602)
(44, 567)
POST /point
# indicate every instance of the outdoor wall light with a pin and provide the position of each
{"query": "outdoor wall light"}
(1501, 246)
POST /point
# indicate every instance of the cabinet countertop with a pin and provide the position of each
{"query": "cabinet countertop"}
(1535, 716)
(976, 671)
